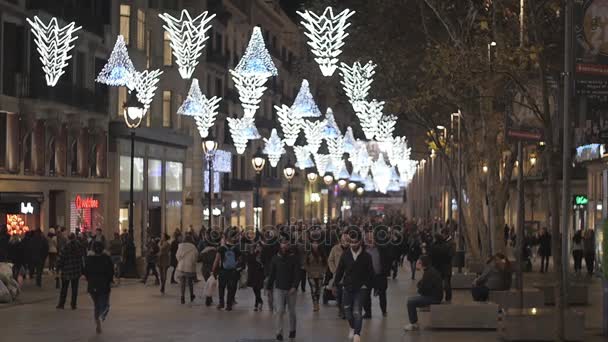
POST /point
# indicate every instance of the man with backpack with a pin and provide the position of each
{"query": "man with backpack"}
(227, 268)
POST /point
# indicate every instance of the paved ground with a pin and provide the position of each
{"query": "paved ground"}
(140, 313)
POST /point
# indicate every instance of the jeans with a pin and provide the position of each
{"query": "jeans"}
(480, 293)
(578, 260)
(64, 291)
(544, 263)
(303, 279)
(352, 300)
(190, 280)
(163, 276)
(151, 267)
(101, 302)
(52, 261)
(283, 299)
(590, 262)
(380, 286)
(228, 279)
(36, 268)
(315, 289)
(447, 287)
(417, 302)
(413, 268)
(339, 300)
(258, 295)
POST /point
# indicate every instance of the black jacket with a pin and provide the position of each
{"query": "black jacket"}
(354, 274)
(441, 257)
(269, 250)
(99, 272)
(431, 284)
(284, 272)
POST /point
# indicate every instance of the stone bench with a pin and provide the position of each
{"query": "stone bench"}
(463, 280)
(539, 325)
(464, 316)
(475, 266)
(578, 294)
(533, 298)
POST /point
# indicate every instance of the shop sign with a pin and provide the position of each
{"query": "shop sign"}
(588, 152)
(86, 203)
(155, 199)
(580, 200)
(27, 208)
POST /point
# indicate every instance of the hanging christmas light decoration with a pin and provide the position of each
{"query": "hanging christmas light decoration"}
(407, 170)
(256, 60)
(349, 141)
(386, 127)
(290, 124)
(203, 110)
(369, 117)
(187, 36)
(119, 70)
(336, 148)
(241, 131)
(398, 150)
(360, 159)
(368, 184)
(145, 86)
(394, 185)
(304, 105)
(321, 161)
(382, 174)
(274, 148)
(250, 89)
(313, 131)
(331, 128)
(303, 157)
(342, 172)
(357, 81)
(53, 45)
(326, 33)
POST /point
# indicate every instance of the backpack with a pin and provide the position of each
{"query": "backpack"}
(229, 262)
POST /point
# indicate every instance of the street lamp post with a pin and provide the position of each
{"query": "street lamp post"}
(133, 113)
(328, 179)
(209, 148)
(312, 178)
(289, 171)
(258, 161)
(360, 192)
(460, 251)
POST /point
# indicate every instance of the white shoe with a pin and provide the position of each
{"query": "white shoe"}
(351, 334)
(357, 338)
(411, 327)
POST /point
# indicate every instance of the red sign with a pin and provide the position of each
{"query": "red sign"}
(88, 202)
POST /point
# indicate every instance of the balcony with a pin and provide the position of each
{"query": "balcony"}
(237, 185)
(71, 95)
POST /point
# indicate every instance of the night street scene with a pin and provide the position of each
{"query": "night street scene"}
(303, 170)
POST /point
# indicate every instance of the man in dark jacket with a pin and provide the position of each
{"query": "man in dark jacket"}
(356, 275)
(544, 249)
(4, 238)
(283, 280)
(70, 267)
(99, 272)
(441, 253)
(177, 239)
(430, 291)
(382, 268)
(36, 250)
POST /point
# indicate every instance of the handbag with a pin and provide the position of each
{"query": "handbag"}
(210, 287)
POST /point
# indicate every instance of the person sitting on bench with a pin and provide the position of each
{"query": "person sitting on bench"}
(496, 276)
(430, 291)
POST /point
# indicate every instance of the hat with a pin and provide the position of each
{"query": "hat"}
(51, 230)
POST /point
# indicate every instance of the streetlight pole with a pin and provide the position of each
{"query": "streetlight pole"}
(289, 171)
(312, 178)
(209, 148)
(258, 161)
(328, 180)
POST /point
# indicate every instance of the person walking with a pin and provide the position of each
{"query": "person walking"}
(99, 271)
(355, 274)
(283, 280)
(16, 257)
(36, 251)
(69, 265)
(544, 249)
(270, 248)
(332, 261)
(315, 264)
(115, 248)
(164, 259)
(382, 268)
(414, 252)
(177, 239)
(255, 275)
(430, 291)
(207, 258)
(589, 250)
(441, 253)
(152, 251)
(52, 241)
(577, 251)
(186, 256)
(227, 266)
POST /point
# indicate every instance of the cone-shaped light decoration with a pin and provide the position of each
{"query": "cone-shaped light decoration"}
(382, 174)
(119, 70)
(356, 82)
(202, 109)
(53, 45)
(241, 130)
(304, 105)
(188, 36)
(321, 161)
(349, 141)
(250, 88)
(336, 148)
(256, 60)
(145, 85)
(331, 128)
(369, 117)
(303, 157)
(290, 124)
(273, 148)
(313, 131)
(386, 127)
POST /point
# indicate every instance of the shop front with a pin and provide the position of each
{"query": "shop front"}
(20, 212)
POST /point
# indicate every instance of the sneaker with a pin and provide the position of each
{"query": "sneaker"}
(411, 327)
(279, 337)
(292, 335)
(351, 334)
(229, 308)
(220, 306)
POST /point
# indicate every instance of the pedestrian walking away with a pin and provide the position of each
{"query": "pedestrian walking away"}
(315, 264)
(164, 260)
(69, 265)
(227, 267)
(99, 272)
(186, 255)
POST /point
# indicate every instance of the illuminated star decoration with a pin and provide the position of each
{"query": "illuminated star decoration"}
(349, 141)
(331, 129)
(313, 131)
(274, 148)
(119, 70)
(369, 117)
(202, 109)
(386, 127)
(326, 35)
(356, 82)
(303, 157)
(290, 124)
(53, 46)
(321, 161)
(145, 85)
(188, 38)
(304, 105)
(382, 174)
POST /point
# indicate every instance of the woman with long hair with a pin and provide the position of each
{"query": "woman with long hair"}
(315, 264)
(255, 275)
(187, 255)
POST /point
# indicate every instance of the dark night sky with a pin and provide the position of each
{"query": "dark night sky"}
(291, 6)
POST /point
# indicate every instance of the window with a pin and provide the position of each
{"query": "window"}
(167, 53)
(179, 100)
(141, 29)
(219, 87)
(122, 99)
(166, 108)
(81, 78)
(125, 26)
(174, 176)
(155, 170)
(148, 47)
(3, 141)
(125, 173)
(218, 42)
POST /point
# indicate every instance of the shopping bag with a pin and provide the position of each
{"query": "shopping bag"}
(210, 287)
(243, 279)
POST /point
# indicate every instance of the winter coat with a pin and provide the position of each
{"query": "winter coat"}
(284, 272)
(61, 242)
(115, 247)
(315, 267)
(544, 244)
(15, 252)
(431, 284)
(589, 243)
(269, 250)
(255, 271)
(52, 240)
(334, 257)
(4, 243)
(99, 272)
(36, 248)
(355, 273)
(70, 261)
(186, 256)
(174, 247)
(415, 250)
(441, 257)
(164, 254)
(152, 252)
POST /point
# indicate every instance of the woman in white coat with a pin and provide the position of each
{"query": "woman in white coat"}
(187, 254)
